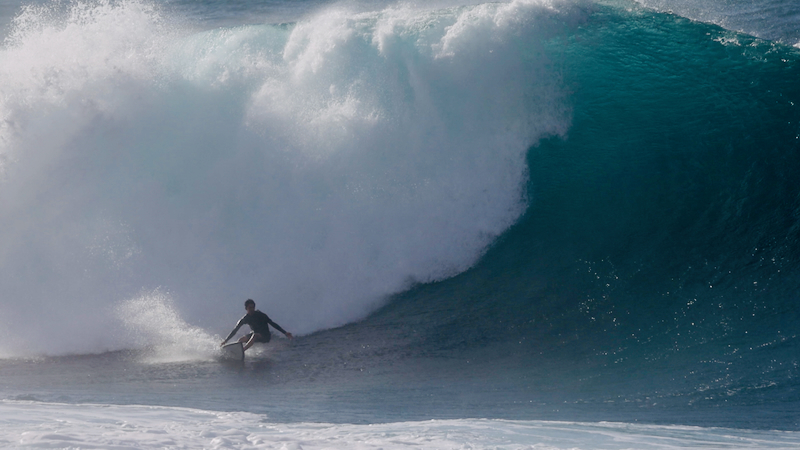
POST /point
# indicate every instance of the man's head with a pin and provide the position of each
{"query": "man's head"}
(249, 305)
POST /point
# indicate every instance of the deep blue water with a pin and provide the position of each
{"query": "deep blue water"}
(571, 212)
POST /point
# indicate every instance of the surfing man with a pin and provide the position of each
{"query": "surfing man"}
(259, 324)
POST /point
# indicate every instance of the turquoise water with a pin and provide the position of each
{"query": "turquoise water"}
(528, 211)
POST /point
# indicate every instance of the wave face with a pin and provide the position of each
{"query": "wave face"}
(316, 167)
(657, 263)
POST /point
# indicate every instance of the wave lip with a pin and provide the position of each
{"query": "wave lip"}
(775, 20)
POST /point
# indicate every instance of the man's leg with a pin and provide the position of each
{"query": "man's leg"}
(253, 339)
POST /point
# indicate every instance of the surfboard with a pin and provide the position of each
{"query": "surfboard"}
(233, 351)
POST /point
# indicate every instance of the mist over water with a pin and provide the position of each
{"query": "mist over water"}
(315, 167)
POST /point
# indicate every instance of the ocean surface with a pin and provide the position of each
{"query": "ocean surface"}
(530, 224)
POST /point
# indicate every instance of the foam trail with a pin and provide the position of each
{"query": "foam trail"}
(153, 323)
(316, 168)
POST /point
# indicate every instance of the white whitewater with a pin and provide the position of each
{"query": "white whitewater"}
(50, 425)
(316, 167)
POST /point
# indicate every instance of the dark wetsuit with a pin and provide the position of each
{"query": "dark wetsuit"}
(259, 323)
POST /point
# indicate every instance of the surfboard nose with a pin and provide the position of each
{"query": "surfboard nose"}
(233, 351)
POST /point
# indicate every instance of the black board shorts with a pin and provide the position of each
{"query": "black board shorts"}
(264, 337)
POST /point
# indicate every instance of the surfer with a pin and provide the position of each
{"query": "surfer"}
(259, 324)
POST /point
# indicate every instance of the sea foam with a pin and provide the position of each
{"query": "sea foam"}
(49, 425)
(316, 167)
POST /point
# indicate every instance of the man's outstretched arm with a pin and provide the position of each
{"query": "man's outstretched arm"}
(278, 327)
